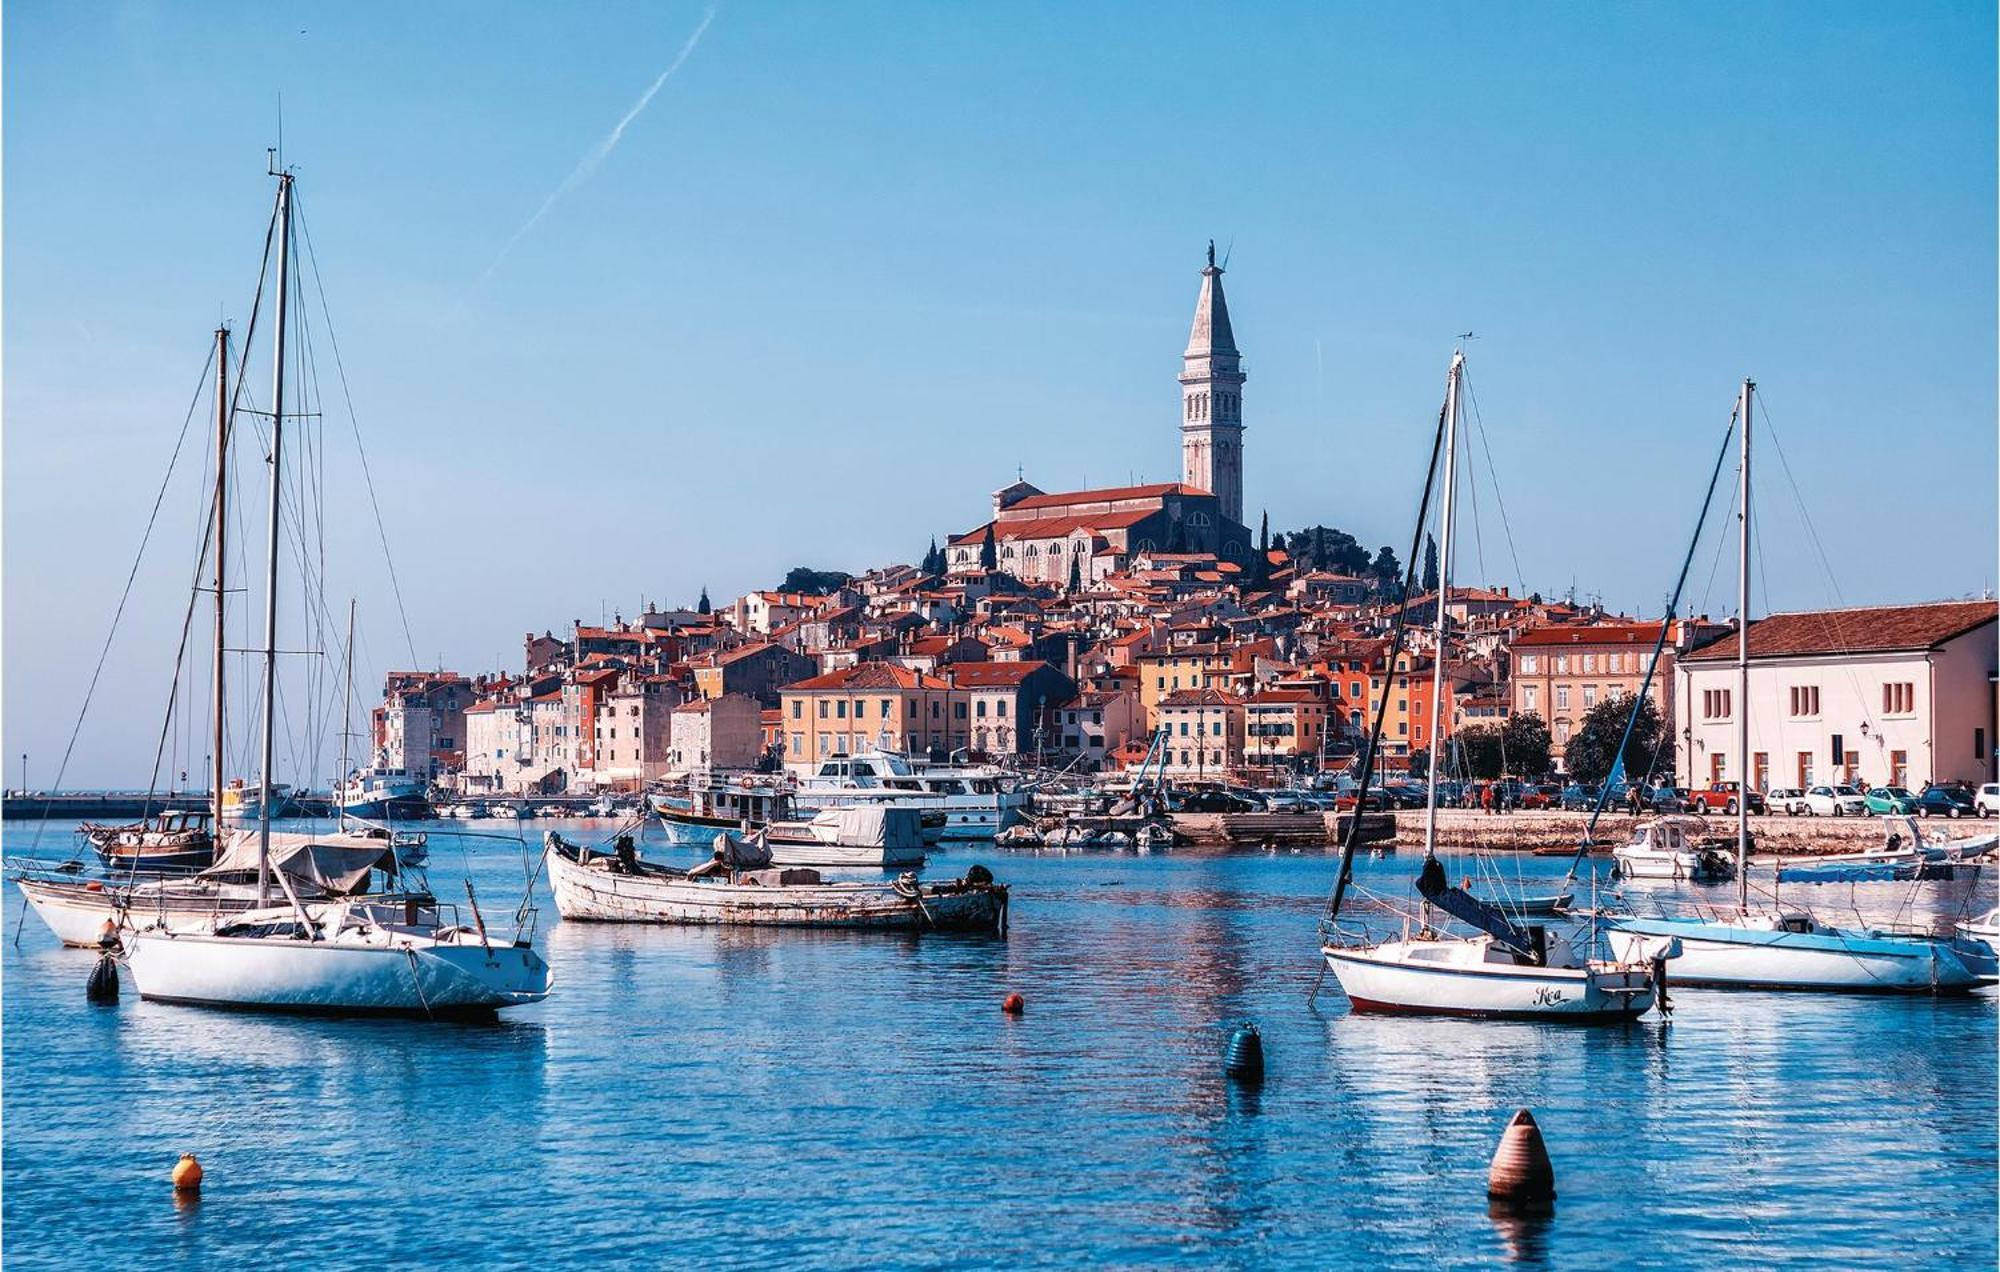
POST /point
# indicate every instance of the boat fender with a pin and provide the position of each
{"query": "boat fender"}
(1243, 1059)
(978, 875)
(103, 985)
(1665, 1007)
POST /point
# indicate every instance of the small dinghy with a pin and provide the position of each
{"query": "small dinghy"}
(740, 886)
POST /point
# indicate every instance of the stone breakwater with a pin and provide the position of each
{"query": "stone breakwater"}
(1528, 831)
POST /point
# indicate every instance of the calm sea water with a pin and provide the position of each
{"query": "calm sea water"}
(760, 1099)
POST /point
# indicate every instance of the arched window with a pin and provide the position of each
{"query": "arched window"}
(1007, 552)
(1032, 551)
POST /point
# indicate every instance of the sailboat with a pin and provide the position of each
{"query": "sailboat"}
(1784, 948)
(1509, 970)
(407, 956)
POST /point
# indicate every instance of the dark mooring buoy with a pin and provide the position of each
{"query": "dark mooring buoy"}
(103, 985)
(1521, 1174)
(1243, 1058)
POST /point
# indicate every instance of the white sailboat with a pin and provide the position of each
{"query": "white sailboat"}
(325, 957)
(1508, 971)
(1780, 948)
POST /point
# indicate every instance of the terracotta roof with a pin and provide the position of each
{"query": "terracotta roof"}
(1283, 696)
(1097, 496)
(989, 675)
(1870, 630)
(1590, 634)
(870, 675)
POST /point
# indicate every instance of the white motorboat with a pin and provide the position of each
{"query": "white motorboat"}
(1789, 949)
(735, 888)
(1510, 970)
(505, 811)
(1666, 848)
(345, 958)
(382, 794)
(860, 835)
(978, 801)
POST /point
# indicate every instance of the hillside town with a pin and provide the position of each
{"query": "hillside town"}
(1089, 630)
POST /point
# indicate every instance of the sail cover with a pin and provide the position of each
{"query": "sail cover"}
(872, 826)
(336, 862)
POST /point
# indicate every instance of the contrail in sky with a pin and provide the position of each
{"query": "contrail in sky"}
(587, 166)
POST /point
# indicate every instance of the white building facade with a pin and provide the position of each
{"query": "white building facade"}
(1890, 695)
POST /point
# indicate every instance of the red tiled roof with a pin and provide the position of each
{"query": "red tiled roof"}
(1200, 698)
(988, 675)
(1097, 496)
(870, 675)
(1591, 634)
(1873, 629)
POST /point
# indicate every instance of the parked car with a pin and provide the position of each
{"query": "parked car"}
(1405, 795)
(1892, 801)
(1670, 799)
(1578, 797)
(1835, 801)
(1542, 796)
(1720, 797)
(1945, 801)
(1987, 802)
(1789, 800)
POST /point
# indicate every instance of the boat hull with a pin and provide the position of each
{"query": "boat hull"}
(329, 978)
(1725, 956)
(76, 913)
(1490, 991)
(599, 895)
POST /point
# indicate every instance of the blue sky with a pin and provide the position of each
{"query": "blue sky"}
(854, 263)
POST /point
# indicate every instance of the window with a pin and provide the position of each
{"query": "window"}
(1715, 704)
(797, 707)
(1184, 728)
(1899, 699)
(1527, 664)
(798, 744)
(1000, 708)
(1760, 771)
(888, 708)
(1562, 697)
(1530, 698)
(1562, 664)
(1805, 769)
(958, 711)
(1805, 702)
(822, 708)
(1562, 732)
(1899, 768)
(981, 711)
(1589, 696)
(824, 744)
(1590, 664)
(1716, 767)
(840, 710)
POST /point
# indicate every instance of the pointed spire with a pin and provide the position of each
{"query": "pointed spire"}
(1211, 334)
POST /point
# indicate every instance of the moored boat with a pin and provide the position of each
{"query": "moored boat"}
(738, 887)
(1666, 848)
(168, 841)
(870, 835)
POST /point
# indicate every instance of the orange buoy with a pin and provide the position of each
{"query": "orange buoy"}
(1013, 1004)
(1521, 1174)
(187, 1174)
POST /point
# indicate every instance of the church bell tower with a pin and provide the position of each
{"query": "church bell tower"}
(1212, 399)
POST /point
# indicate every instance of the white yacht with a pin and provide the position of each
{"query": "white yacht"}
(978, 801)
(382, 794)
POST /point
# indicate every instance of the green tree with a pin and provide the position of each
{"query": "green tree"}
(1324, 548)
(989, 555)
(1482, 751)
(702, 606)
(1526, 740)
(1076, 572)
(1593, 747)
(813, 582)
(1388, 572)
(1430, 564)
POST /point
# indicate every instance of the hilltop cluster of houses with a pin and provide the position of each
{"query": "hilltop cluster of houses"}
(1078, 629)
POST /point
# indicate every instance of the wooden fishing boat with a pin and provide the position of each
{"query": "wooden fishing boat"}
(169, 841)
(739, 887)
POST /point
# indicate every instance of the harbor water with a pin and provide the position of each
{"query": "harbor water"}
(758, 1099)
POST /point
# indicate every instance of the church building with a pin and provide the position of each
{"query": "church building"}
(1037, 536)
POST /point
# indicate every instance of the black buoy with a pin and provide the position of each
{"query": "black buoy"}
(1243, 1060)
(103, 986)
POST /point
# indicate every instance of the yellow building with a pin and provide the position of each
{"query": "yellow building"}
(1166, 671)
(870, 706)
(1204, 732)
(1281, 726)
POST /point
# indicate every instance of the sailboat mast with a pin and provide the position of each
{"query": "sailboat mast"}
(1743, 658)
(1444, 590)
(346, 727)
(267, 794)
(221, 540)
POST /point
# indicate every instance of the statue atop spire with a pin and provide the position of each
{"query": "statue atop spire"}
(1211, 253)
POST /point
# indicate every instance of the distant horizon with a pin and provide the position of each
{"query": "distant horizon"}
(635, 301)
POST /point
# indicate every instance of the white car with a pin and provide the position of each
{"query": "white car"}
(1789, 800)
(1988, 799)
(1835, 801)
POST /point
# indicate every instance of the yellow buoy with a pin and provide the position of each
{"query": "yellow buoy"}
(1521, 1174)
(187, 1174)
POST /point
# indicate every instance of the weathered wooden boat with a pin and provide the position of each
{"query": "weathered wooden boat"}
(739, 887)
